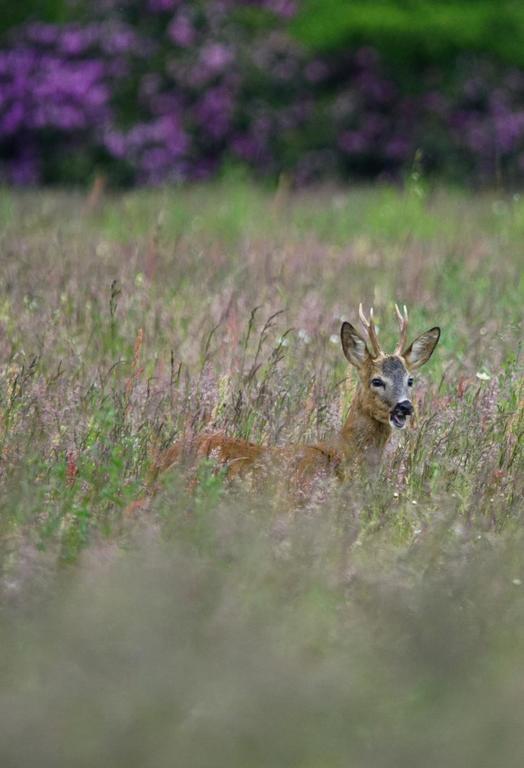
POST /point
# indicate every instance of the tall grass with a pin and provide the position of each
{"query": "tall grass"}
(377, 623)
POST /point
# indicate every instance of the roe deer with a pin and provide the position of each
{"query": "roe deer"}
(382, 402)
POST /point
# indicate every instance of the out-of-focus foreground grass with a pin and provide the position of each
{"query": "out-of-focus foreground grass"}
(376, 624)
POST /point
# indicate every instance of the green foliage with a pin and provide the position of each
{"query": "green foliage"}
(416, 32)
(52, 11)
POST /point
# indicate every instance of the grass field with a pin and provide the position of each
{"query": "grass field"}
(379, 623)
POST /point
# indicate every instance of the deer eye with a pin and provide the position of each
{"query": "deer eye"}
(378, 383)
(410, 382)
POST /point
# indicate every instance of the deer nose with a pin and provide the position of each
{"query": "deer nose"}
(404, 407)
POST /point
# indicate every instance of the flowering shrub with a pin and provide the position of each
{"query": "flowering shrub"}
(160, 93)
(169, 89)
(486, 121)
(55, 93)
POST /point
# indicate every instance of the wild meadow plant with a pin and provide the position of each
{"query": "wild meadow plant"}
(376, 622)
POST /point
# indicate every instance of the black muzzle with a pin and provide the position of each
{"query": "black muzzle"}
(400, 413)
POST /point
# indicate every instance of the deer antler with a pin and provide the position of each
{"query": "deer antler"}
(403, 323)
(369, 326)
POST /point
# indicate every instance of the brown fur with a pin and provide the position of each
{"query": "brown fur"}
(241, 456)
(361, 441)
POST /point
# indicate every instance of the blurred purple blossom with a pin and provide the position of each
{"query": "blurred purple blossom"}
(248, 148)
(214, 112)
(316, 71)
(161, 6)
(215, 57)
(352, 142)
(181, 31)
(169, 89)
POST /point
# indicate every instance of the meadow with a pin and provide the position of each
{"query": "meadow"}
(379, 622)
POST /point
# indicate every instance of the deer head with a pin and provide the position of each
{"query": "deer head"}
(386, 381)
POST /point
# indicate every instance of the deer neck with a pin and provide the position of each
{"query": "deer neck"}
(362, 437)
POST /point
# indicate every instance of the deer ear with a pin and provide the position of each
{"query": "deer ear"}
(422, 348)
(353, 345)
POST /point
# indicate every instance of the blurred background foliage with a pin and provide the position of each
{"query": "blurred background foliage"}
(416, 32)
(160, 91)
